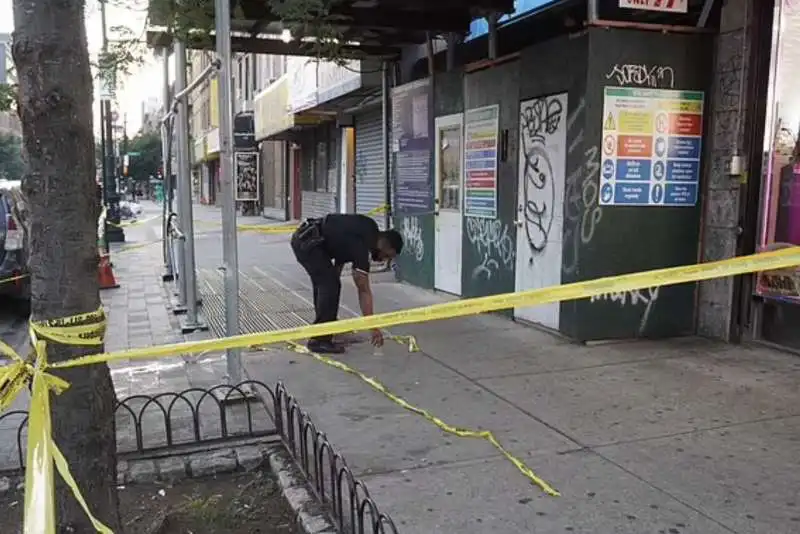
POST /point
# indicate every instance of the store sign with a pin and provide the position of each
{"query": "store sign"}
(244, 135)
(246, 172)
(779, 284)
(651, 147)
(335, 80)
(302, 83)
(481, 133)
(671, 6)
(480, 27)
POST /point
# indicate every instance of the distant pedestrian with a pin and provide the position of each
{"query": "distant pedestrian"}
(323, 246)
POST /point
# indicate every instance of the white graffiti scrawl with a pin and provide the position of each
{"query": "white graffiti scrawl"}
(493, 244)
(412, 238)
(642, 298)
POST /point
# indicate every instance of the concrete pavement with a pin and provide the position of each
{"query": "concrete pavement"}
(679, 436)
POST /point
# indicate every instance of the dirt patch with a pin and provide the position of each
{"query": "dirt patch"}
(239, 503)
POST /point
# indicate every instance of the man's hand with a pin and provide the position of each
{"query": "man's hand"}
(377, 337)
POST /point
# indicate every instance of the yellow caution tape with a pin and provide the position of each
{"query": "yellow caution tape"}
(456, 431)
(289, 227)
(13, 279)
(43, 455)
(612, 284)
(88, 330)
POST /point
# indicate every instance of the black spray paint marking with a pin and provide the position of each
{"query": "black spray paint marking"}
(537, 118)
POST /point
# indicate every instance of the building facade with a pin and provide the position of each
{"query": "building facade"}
(569, 145)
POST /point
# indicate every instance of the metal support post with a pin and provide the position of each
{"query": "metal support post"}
(230, 262)
(168, 275)
(593, 13)
(387, 117)
(492, 20)
(180, 148)
(185, 215)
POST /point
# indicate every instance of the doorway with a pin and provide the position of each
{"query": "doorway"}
(347, 171)
(296, 192)
(448, 220)
(540, 196)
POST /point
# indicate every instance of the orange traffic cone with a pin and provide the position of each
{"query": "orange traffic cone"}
(105, 274)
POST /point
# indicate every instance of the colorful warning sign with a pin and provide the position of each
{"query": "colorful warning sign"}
(652, 155)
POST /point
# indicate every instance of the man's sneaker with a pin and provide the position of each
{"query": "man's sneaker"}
(324, 347)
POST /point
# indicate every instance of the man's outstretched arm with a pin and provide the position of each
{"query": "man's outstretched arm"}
(361, 280)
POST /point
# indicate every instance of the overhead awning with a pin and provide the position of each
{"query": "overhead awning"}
(273, 111)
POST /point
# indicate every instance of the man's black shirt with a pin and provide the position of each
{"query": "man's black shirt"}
(350, 238)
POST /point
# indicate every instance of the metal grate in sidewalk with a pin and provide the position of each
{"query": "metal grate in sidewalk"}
(263, 305)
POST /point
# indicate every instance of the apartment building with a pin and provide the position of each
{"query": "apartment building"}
(250, 75)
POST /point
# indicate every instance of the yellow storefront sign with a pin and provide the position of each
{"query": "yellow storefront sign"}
(635, 122)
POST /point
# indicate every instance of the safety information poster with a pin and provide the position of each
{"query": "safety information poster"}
(481, 131)
(652, 141)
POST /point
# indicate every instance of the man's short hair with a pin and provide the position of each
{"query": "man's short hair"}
(394, 239)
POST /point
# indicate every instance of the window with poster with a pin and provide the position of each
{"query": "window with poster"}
(780, 196)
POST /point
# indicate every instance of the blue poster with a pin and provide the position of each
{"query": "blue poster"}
(412, 136)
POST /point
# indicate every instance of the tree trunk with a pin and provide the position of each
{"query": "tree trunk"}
(55, 106)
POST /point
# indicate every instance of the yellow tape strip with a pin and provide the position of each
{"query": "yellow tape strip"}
(287, 228)
(43, 455)
(674, 275)
(13, 279)
(88, 329)
(456, 431)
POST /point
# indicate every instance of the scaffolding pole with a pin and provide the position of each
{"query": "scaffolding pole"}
(185, 215)
(230, 261)
(165, 170)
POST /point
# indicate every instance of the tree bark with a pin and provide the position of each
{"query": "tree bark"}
(55, 107)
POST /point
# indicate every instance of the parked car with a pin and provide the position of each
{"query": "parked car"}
(14, 280)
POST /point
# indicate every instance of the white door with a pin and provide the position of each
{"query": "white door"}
(449, 173)
(540, 201)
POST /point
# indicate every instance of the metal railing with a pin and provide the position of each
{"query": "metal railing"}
(346, 497)
(202, 416)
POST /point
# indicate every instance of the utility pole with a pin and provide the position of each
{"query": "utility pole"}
(230, 262)
(114, 233)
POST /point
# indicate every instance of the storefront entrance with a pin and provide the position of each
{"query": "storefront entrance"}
(778, 316)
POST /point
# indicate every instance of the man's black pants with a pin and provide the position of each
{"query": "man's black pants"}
(309, 249)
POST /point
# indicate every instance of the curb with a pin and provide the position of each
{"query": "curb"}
(311, 515)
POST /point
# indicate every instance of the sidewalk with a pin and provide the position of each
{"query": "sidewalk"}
(671, 437)
(679, 436)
